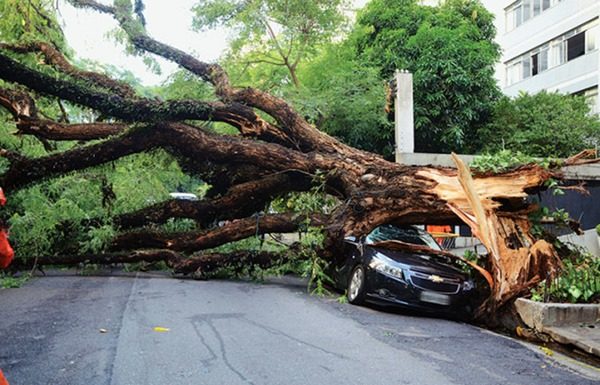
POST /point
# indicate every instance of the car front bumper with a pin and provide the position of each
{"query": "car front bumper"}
(386, 290)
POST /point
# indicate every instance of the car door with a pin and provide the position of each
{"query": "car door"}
(344, 263)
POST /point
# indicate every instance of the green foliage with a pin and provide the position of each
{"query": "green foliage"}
(598, 230)
(53, 217)
(503, 160)
(10, 282)
(30, 21)
(314, 201)
(346, 98)
(450, 51)
(184, 85)
(97, 239)
(545, 124)
(314, 266)
(578, 282)
(472, 256)
(559, 218)
(273, 33)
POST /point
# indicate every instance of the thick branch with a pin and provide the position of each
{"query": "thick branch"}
(142, 110)
(23, 171)
(52, 130)
(57, 59)
(168, 256)
(292, 129)
(23, 108)
(240, 201)
(115, 105)
(203, 264)
(231, 232)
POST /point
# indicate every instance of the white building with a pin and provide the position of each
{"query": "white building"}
(548, 45)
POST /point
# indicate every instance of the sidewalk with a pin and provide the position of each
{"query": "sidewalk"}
(574, 324)
(586, 336)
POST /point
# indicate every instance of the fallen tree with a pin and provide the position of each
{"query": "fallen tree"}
(276, 152)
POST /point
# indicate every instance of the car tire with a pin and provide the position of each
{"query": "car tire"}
(355, 291)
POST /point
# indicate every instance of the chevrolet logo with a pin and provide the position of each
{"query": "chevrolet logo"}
(436, 278)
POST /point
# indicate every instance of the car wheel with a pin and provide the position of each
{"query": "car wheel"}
(356, 286)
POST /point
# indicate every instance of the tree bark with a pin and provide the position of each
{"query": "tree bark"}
(276, 152)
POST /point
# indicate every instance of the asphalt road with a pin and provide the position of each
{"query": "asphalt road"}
(231, 333)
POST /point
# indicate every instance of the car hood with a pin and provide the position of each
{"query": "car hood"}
(431, 264)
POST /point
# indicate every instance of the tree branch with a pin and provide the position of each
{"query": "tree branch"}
(204, 264)
(52, 130)
(240, 201)
(142, 110)
(292, 129)
(57, 59)
(23, 171)
(201, 265)
(18, 103)
(111, 104)
(231, 232)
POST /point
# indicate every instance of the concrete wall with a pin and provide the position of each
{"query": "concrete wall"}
(589, 240)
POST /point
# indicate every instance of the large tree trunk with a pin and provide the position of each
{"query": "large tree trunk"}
(269, 158)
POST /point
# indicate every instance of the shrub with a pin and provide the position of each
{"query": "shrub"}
(578, 282)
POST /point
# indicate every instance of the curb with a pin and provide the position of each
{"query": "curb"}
(538, 315)
(576, 324)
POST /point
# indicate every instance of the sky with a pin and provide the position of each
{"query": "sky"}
(168, 21)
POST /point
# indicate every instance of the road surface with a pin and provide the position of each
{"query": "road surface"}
(68, 329)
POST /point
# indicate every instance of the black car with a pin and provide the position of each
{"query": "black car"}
(373, 269)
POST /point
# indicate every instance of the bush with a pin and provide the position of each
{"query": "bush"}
(578, 282)
(544, 125)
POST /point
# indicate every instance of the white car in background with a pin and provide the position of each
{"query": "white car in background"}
(184, 196)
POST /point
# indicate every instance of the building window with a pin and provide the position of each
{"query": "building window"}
(523, 10)
(513, 72)
(576, 46)
(539, 60)
(591, 38)
(559, 53)
(543, 58)
(537, 7)
(562, 49)
(591, 96)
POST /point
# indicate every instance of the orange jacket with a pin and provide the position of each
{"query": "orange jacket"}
(2, 379)
(6, 252)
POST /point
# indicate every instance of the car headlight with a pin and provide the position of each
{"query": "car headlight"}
(386, 265)
(468, 285)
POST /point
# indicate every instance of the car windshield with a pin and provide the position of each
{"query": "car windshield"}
(408, 234)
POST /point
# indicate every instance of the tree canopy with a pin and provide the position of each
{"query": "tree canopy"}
(450, 51)
(271, 32)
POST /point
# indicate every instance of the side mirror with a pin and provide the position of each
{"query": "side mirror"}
(351, 238)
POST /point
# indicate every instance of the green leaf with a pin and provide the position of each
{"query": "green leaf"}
(575, 292)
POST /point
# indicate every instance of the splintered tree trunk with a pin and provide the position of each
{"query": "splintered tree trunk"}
(268, 159)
